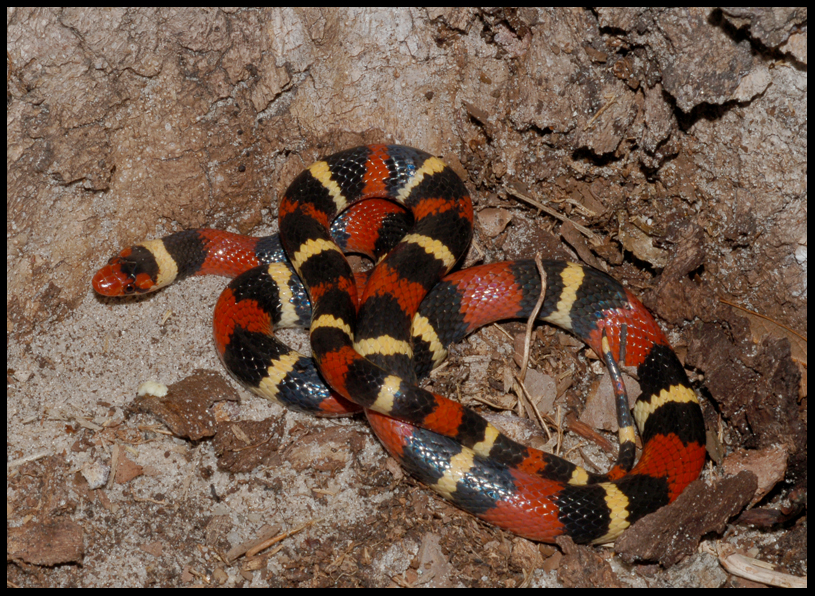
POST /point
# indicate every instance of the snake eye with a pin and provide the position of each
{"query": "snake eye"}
(128, 269)
(130, 286)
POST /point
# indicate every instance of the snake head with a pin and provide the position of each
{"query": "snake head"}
(124, 275)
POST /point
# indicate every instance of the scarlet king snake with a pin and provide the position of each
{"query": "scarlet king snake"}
(371, 351)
